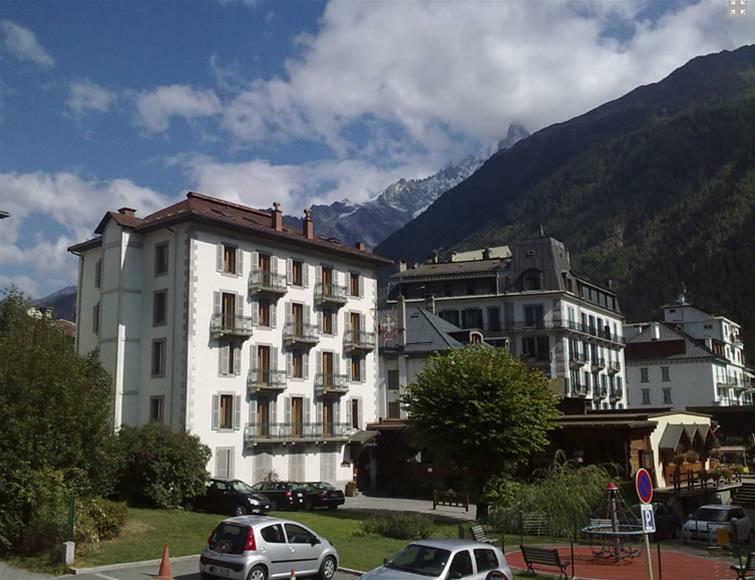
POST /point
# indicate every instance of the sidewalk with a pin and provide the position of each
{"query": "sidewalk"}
(363, 502)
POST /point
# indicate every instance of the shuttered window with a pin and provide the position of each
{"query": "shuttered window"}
(226, 412)
(224, 460)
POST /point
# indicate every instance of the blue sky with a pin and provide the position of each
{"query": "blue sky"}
(104, 104)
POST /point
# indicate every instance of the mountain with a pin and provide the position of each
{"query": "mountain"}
(372, 221)
(63, 303)
(651, 190)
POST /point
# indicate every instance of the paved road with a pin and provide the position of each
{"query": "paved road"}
(363, 502)
(181, 568)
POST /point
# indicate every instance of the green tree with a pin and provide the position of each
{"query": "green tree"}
(482, 410)
(160, 467)
(55, 432)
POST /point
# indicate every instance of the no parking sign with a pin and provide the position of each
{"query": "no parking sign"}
(644, 485)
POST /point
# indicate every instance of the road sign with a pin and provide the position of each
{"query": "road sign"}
(644, 485)
(648, 518)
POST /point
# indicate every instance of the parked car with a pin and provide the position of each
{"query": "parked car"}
(322, 494)
(667, 523)
(265, 548)
(229, 496)
(282, 494)
(443, 559)
(703, 526)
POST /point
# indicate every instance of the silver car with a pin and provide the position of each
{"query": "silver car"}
(444, 559)
(703, 526)
(262, 548)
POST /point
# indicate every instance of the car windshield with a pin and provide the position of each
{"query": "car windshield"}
(419, 559)
(710, 515)
(321, 485)
(241, 487)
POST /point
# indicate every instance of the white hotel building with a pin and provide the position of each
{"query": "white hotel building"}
(525, 297)
(217, 319)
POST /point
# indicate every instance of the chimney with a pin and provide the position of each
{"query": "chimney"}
(126, 211)
(486, 254)
(360, 246)
(401, 321)
(277, 217)
(655, 332)
(309, 226)
(436, 259)
(609, 284)
(402, 265)
(430, 302)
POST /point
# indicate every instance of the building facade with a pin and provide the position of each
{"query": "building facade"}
(525, 297)
(691, 358)
(216, 319)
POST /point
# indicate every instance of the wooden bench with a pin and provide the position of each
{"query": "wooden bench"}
(742, 570)
(545, 556)
(451, 498)
(479, 535)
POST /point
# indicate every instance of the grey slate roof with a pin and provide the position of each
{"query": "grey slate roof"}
(693, 349)
(426, 332)
(671, 436)
(443, 269)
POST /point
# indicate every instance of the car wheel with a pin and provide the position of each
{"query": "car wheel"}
(240, 510)
(257, 573)
(189, 506)
(327, 568)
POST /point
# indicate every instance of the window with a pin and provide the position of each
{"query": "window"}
(225, 417)
(494, 318)
(461, 565)
(393, 380)
(273, 534)
(536, 348)
(96, 318)
(230, 359)
(158, 357)
(394, 411)
(355, 413)
(224, 462)
(156, 406)
(265, 315)
(298, 535)
(644, 375)
(666, 374)
(161, 259)
(667, 395)
(533, 315)
(327, 321)
(355, 284)
(229, 259)
(297, 364)
(645, 396)
(485, 559)
(451, 316)
(98, 274)
(471, 318)
(532, 282)
(357, 363)
(297, 273)
(159, 307)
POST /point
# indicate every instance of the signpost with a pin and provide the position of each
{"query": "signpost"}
(644, 485)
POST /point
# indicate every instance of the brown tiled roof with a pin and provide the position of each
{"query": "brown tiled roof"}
(211, 210)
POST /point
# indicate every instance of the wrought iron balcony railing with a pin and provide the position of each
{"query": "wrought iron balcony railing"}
(599, 362)
(616, 392)
(331, 383)
(579, 390)
(294, 431)
(614, 366)
(261, 379)
(263, 281)
(330, 294)
(576, 359)
(300, 333)
(224, 324)
(358, 340)
(600, 392)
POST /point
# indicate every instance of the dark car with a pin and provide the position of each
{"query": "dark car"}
(667, 523)
(322, 494)
(229, 496)
(283, 494)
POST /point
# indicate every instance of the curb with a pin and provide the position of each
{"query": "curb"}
(350, 571)
(127, 565)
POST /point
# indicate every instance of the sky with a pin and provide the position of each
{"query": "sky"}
(105, 104)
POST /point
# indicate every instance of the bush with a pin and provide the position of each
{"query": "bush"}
(46, 512)
(400, 526)
(159, 467)
(99, 519)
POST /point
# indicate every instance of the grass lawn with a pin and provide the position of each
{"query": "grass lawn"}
(186, 533)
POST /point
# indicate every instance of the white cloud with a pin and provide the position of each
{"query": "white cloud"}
(155, 108)
(23, 283)
(441, 67)
(74, 204)
(21, 43)
(87, 96)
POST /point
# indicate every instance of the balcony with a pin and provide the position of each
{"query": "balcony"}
(600, 392)
(331, 384)
(265, 380)
(358, 340)
(224, 324)
(590, 330)
(293, 432)
(265, 282)
(330, 294)
(614, 367)
(579, 390)
(576, 359)
(726, 383)
(598, 362)
(300, 333)
(616, 393)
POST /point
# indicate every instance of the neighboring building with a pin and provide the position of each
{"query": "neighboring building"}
(691, 358)
(408, 336)
(217, 319)
(525, 297)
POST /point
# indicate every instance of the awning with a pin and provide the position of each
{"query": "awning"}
(670, 437)
(363, 436)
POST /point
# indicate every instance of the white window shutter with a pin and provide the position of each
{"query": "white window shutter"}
(253, 411)
(274, 358)
(318, 412)
(305, 275)
(319, 356)
(362, 369)
(224, 350)
(231, 462)
(274, 264)
(361, 285)
(287, 411)
(253, 356)
(318, 274)
(336, 363)
(273, 411)
(346, 323)
(255, 260)
(239, 305)
(306, 314)
(289, 364)
(319, 320)
(219, 258)
(216, 307)
(334, 318)
(305, 365)
(220, 359)
(215, 412)
(362, 324)
(236, 412)
(255, 313)
(306, 403)
(289, 271)
(236, 359)
(337, 411)
(239, 261)
(221, 463)
(348, 412)
(289, 314)
(273, 315)
(360, 418)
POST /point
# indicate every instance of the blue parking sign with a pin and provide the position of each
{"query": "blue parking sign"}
(648, 518)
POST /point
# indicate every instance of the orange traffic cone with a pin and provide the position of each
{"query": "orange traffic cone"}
(164, 571)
